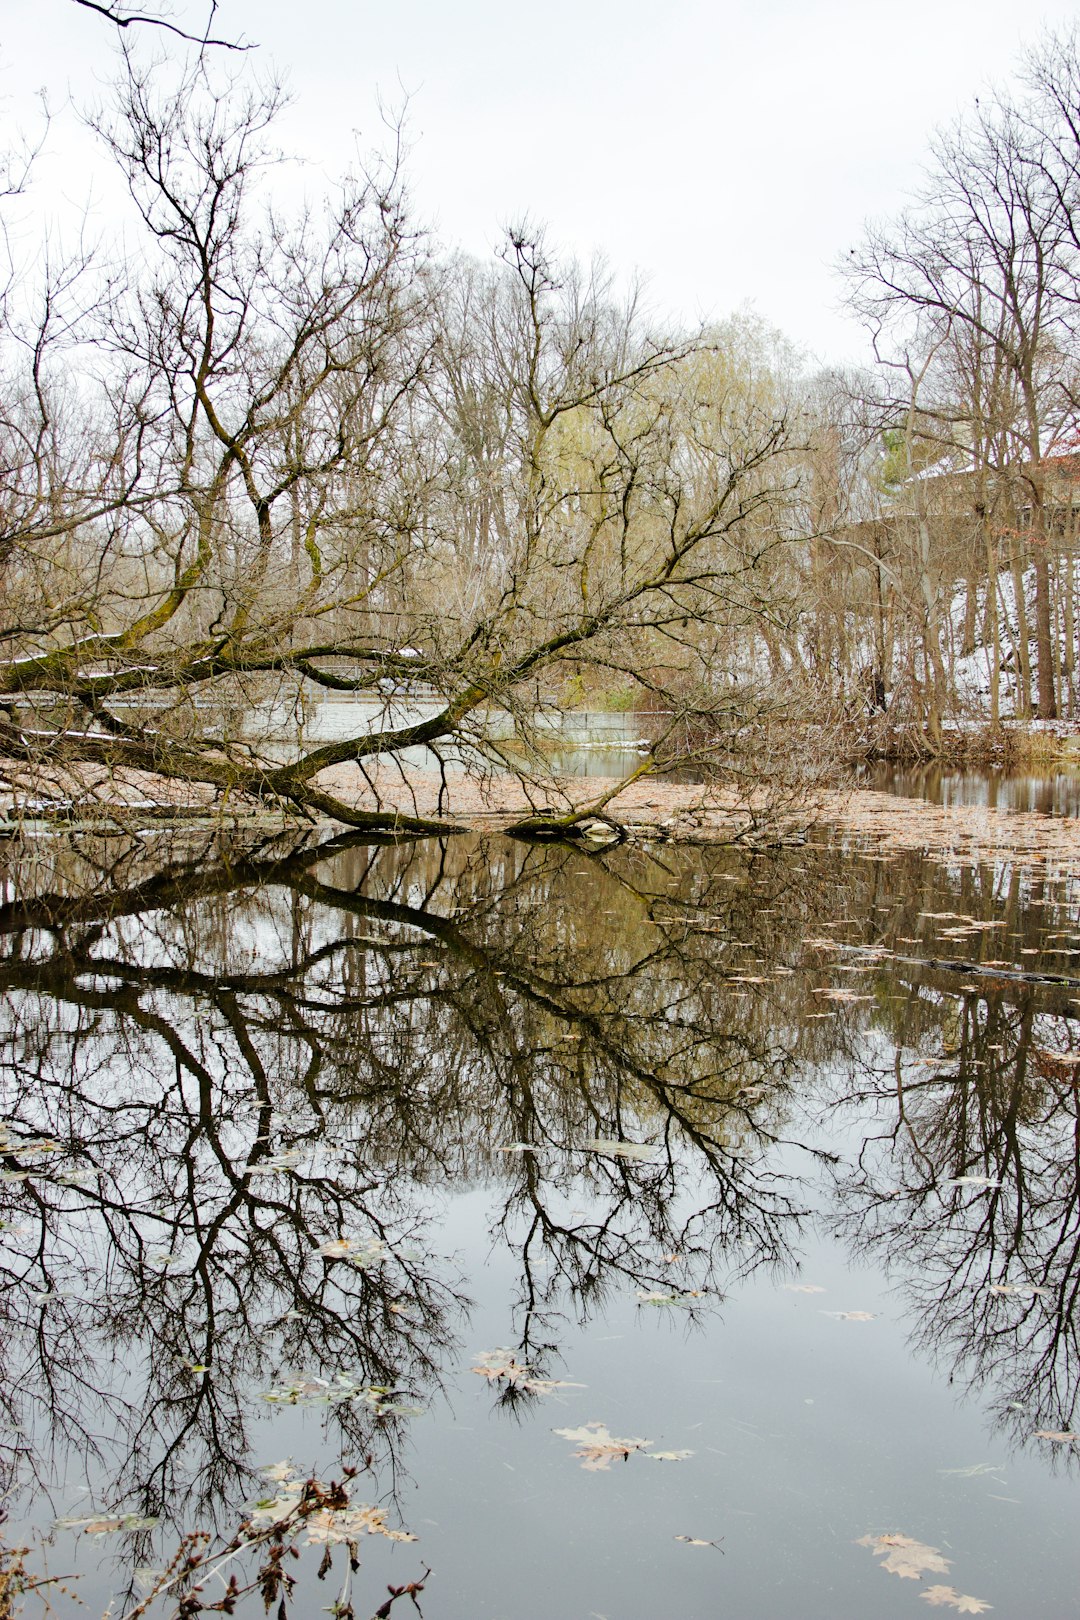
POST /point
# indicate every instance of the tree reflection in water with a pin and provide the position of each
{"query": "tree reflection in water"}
(220, 1056)
(219, 1059)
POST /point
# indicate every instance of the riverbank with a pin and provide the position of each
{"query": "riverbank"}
(646, 810)
(650, 808)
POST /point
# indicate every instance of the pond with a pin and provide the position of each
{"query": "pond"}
(571, 742)
(666, 1231)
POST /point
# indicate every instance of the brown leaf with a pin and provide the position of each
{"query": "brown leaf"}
(596, 1446)
(903, 1556)
(948, 1597)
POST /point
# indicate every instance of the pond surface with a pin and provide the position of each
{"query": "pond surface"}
(409, 1157)
(570, 742)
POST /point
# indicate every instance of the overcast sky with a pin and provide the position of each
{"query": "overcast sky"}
(728, 151)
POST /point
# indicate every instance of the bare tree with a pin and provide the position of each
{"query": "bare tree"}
(974, 288)
(125, 16)
(300, 456)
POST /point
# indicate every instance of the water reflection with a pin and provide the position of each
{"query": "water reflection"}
(241, 1080)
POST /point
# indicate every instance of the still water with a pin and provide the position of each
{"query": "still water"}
(769, 1164)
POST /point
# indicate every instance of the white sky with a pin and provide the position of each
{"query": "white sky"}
(728, 151)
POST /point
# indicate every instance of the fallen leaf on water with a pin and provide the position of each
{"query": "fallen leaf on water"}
(903, 1556)
(1017, 1288)
(971, 1181)
(619, 1150)
(1060, 1437)
(380, 1398)
(695, 1541)
(852, 1316)
(362, 1252)
(655, 1296)
(279, 1164)
(100, 1525)
(948, 1596)
(501, 1366)
(668, 1456)
(330, 1526)
(597, 1446)
(803, 1288)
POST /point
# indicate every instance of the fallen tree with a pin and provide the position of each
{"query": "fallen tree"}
(272, 460)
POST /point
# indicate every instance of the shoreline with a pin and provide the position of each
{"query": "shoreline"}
(645, 811)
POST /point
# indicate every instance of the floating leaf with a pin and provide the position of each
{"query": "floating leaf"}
(1060, 1437)
(803, 1288)
(330, 1526)
(971, 1181)
(948, 1597)
(619, 1150)
(1022, 1289)
(501, 1366)
(362, 1252)
(101, 1525)
(668, 1456)
(656, 1296)
(597, 1446)
(903, 1556)
(279, 1164)
(852, 1316)
(695, 1541)
(380, 1398)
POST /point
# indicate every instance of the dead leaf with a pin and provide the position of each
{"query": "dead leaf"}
(903, 1556)
(656, 1296)
(1058, 1436)
(803, 1288)
(597, 1446)
(101, 1526)
(695, 1541)
(619, 1150)
(362, 1252)
(852, 1316)
(500, 1366)
(947, 1596)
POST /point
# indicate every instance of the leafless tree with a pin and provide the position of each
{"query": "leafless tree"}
(281, 457)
